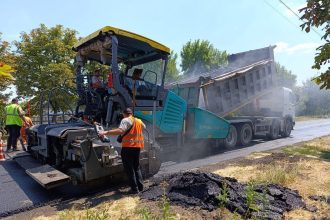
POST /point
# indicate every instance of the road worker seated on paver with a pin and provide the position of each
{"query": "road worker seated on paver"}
(136, 84)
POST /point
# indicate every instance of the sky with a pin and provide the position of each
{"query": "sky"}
(234, 26)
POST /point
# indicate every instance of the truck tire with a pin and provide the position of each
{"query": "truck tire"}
(231, 140)
(274, 130)
(287, 128)
(245, 134)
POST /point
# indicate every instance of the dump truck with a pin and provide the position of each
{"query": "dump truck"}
(243, 94)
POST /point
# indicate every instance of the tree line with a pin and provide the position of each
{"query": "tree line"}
(43, 59)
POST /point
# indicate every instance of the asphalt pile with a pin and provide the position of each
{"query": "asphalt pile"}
(320, 198)
(210, 191)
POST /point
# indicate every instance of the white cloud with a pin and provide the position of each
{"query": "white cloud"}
(283, 47)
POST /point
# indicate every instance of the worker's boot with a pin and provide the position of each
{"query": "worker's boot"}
(133, 191)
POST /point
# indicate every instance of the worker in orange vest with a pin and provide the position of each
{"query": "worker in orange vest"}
(23, 138)
(131, 132)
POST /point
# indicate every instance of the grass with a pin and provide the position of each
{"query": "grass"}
(117, 210)
(317, 151)
(88, 214)
(165, 206)
(226, 214)
(282, 174)
(318, 148)
(123, 208)
(310, 117)
(251, 197)
(223, 196)
(223, 200)
(144, 213)
(251, 203)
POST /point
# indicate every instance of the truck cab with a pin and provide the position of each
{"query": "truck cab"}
(289, 102)
(279, 102)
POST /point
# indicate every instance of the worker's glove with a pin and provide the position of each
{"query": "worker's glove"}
(102, 136)
(105, 139)
(101, 133)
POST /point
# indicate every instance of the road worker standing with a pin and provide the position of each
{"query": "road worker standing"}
(131, 133)
(24, 132)
(14, 121)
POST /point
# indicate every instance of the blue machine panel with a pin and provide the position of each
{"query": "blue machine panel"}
(208, 125)
(170, 120)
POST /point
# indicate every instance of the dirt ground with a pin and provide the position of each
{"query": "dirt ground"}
(304, 167)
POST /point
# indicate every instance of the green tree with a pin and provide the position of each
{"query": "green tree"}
(44, 61)
(172, 72)
(200, 55)
(285, 77)
(6, 79)
(317, 14)
(312, 100)
(6, 57)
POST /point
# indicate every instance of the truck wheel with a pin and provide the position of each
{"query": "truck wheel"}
(287, 128)
(245, 134)
(231, 140)
(274, 131)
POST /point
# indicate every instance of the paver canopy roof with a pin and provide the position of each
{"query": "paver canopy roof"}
(131, 46)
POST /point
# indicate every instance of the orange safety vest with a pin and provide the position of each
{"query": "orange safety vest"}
(135, 137)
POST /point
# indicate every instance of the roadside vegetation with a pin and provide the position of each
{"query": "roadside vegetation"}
(311, 117)
(318, 149)
(304, 167)
(282, 174)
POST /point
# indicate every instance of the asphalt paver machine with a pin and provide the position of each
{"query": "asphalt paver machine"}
(64, 146)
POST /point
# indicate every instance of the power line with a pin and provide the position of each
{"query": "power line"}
(298, 16)
(276, 10)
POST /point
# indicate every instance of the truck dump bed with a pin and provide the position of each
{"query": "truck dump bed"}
(247, 76)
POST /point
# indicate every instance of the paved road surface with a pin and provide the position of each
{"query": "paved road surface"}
(304, 131)
(19, 192)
